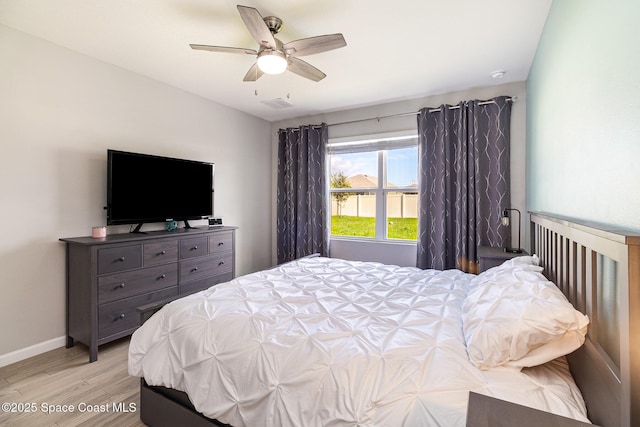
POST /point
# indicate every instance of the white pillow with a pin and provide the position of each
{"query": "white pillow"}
(513, 316)
(525, 262)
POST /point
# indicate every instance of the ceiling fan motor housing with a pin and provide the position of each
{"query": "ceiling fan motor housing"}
(273, 23)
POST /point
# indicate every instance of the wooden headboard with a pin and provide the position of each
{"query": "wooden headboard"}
(598, 269)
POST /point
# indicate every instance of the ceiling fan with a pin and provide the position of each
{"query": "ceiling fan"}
(273, 56)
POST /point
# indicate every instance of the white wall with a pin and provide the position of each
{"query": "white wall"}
(584, 113)
(59, 112)
(401, 253)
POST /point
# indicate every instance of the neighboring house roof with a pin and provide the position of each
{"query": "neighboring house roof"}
(362, 181)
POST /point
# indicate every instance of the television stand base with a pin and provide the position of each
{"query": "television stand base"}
(137, 229)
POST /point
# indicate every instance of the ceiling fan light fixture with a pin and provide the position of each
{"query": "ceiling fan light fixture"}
(272, 62)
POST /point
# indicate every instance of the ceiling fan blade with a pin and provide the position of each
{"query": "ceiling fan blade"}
(224, 49)
(253, 74)
(306, 70)
(312, 45)
(256, 26)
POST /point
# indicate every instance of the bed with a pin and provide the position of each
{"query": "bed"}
(322, 342)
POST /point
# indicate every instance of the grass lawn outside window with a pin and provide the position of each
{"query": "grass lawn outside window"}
(357, 226)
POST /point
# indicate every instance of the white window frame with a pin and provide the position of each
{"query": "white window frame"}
(379, 143)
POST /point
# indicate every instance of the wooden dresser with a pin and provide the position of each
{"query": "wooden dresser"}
(110, 279)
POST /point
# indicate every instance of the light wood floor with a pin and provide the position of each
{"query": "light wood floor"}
(65, 377)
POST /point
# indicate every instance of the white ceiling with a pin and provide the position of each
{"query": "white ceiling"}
(396, 49)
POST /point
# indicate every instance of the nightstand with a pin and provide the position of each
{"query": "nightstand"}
(485, 411)
(490, 257)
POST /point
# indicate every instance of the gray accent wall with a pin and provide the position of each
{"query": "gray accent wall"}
(59, 112)
(583, 113)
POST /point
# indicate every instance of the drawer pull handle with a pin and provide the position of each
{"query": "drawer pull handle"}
(120, 317)
(163, 276)
(221, 263)
(220, 243)
(194, 248)
(163, 252)
(121, 258)
(120, 286)
(194, 269)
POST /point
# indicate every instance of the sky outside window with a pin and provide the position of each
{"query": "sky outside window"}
(402, 165)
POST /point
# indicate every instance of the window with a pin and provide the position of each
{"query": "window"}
(373, 187)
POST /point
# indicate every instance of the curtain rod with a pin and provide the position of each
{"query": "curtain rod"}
(453, 107)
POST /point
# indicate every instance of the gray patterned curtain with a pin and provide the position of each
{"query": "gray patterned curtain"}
(464, 181)
(301, 225)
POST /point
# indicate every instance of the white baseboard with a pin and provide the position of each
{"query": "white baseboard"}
(34, 350)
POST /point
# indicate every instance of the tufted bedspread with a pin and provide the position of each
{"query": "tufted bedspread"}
(326, 342)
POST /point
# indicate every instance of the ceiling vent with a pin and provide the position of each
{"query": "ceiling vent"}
(278, 103)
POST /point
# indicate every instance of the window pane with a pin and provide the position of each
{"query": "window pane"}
(359, 169)
(402, 215)
(402, 167)
(353, 214)
(358, 176)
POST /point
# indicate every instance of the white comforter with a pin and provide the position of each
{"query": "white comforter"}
(325, 342)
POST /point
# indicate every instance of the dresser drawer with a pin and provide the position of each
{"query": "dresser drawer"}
(220, 242)
(129, 283)
(203, 267)
(194, 247)
(200, 285)
(122, 315)
(160, 252)
(121, 258)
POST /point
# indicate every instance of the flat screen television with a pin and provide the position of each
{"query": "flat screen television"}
(144, 188)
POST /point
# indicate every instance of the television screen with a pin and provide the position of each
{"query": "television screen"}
(143, 188)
